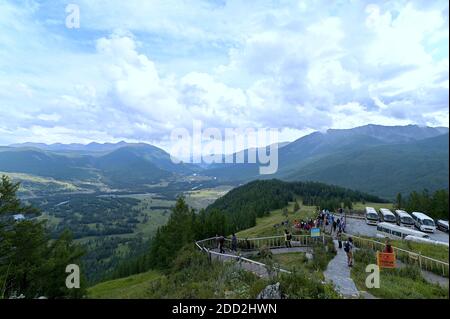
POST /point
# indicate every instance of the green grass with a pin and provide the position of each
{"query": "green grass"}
(403, 283)
(201, 198)
(290, 261)
(22, 177)
(132, 287)
(438, 252)
(265, 225)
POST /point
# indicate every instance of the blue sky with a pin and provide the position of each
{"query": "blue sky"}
(135, 70)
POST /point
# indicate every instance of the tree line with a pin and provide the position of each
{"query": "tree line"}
(434, 205)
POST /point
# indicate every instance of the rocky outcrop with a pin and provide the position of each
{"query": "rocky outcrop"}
(271, 292)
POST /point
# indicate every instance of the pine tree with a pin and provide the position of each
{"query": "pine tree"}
(30, 263)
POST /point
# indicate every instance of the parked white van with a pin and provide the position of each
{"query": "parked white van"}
(404, 219)
(423, 222)
(372, 217)
(397, 232)
(387, 216)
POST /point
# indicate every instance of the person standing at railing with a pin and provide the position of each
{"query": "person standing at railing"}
(234, 242)
(221, 245)
(388, 247)
(287, 238)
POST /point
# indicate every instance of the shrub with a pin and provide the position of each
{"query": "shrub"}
(303, 285)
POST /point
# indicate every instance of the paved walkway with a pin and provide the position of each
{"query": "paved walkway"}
(338, 273)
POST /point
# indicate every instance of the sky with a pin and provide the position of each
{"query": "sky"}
(137, 70)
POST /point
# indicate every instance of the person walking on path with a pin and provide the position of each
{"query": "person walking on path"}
(221, 245)
(343, 222)
(234, 242)
(339, 239)
(348, 248)
(287, 238)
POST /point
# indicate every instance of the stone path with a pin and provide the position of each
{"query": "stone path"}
(338, 273)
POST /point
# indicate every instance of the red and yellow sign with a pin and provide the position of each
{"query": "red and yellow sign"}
(386, 260)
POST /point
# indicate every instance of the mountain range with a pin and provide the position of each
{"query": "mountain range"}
(381, 160)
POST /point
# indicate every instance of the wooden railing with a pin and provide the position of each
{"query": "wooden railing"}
(207, 246)
(272, 242)
(426, 263)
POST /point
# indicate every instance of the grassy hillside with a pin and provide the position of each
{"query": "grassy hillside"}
(265, 225)
(133, 287)
(32, 185)
(191, 275)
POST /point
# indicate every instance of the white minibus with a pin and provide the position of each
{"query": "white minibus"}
(387, 216)
(423, 222)
(397, 232)
(404, 219)
(372, 217)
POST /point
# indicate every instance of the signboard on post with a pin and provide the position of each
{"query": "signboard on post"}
(315, 232)
(386, 260)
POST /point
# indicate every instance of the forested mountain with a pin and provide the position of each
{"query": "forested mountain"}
(381, 160)
(386, 169)
(43, 163)
(125, 165)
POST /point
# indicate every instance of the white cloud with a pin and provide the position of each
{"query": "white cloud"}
(296, 66)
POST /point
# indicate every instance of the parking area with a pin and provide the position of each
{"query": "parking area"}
(359, 227)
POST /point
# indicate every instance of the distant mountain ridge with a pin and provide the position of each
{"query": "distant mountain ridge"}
(93, 146)
(381, 160)
(315, 156)
(124, 165)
